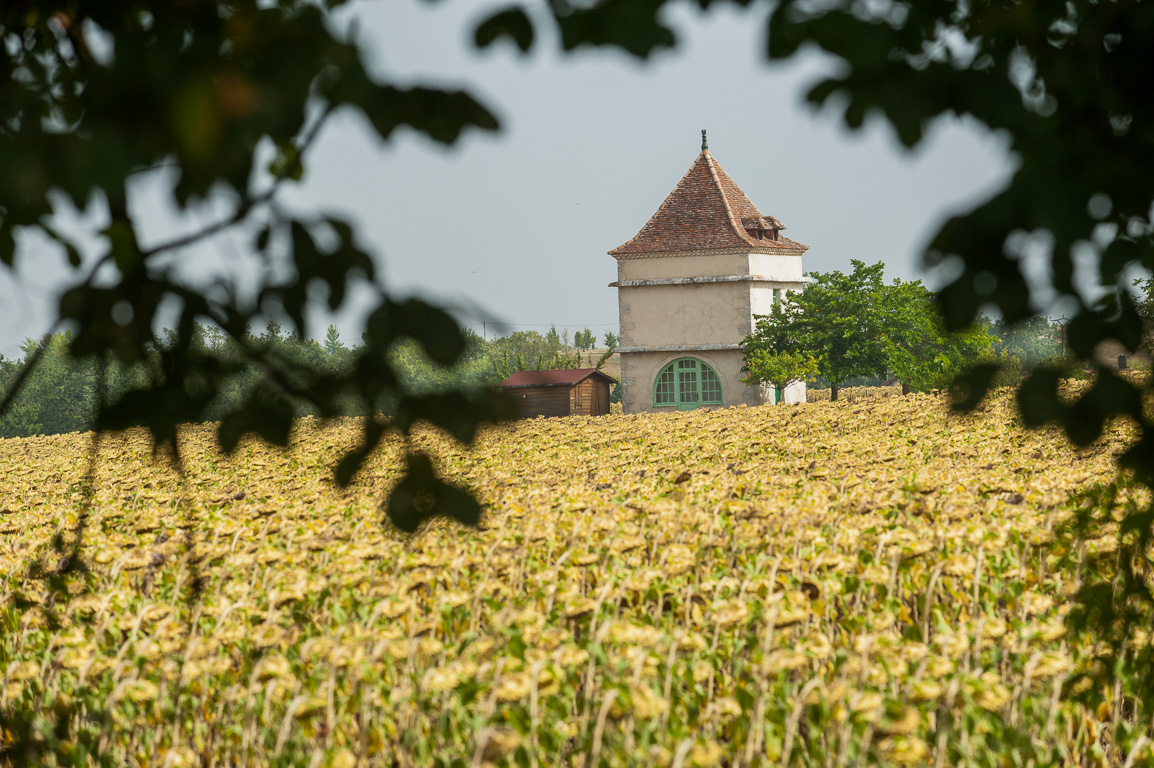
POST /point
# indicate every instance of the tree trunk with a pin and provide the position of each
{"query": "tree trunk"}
(905, 388)
(833, 391)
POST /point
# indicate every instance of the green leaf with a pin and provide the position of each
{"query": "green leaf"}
(970, 388)
(266, 413)
(634, 26)
(458, 413)
(1038, 398)
(440, 115)
(7, 244)
(421, 495)
(350, 463)
(286, 163)
(512, 22)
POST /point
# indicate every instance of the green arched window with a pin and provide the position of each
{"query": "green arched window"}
(687, 383)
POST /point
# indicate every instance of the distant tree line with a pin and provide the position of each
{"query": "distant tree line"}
(856, 328)
(61, 393)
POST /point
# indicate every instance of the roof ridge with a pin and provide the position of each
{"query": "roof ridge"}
(737, 229)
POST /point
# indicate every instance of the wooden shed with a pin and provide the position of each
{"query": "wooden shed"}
(572, 392)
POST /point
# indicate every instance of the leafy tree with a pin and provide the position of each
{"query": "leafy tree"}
(584, 339)
(779, 369)
(529, 351)
(522, 351)
(836, 320)
(610, 350)
(22, 419)
(58, 397)
(562, 359)
(868, 328)
(611, 340)
(60, 394)
(917, 347)
(333, 340)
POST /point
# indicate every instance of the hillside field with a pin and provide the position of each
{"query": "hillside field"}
(872, 581)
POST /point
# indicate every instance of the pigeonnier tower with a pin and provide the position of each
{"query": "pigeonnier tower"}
(688, 287)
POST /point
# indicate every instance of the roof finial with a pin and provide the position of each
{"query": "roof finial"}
(704, 141)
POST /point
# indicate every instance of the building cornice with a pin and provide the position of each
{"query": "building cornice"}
(681, 348)
(712, 252)
(714, 279)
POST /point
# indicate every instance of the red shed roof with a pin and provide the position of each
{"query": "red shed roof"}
(553, 378)
(707, 210)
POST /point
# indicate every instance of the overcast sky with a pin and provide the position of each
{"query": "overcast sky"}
(515, 226)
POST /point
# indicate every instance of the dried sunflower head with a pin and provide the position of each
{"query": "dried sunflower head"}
(138, 691)
(905, 750)
(925, 690)
(570, 656)
(726, 613)
(1044, 666)
(274, 666)
(783, 661)
(440, 680)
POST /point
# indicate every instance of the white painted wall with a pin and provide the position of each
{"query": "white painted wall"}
(794, 393)
(777, 265)
(703, 313)
(696, 265)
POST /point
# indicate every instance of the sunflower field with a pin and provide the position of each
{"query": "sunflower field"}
(873, 581)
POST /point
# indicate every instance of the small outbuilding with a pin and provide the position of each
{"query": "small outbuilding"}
(572, 392)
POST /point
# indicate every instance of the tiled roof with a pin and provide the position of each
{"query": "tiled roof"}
(707, 210)
(552, 378)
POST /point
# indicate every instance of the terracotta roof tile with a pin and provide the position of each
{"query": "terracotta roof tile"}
(550, 378)
(707, 210)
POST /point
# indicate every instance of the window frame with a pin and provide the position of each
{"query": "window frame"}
(671, 385)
